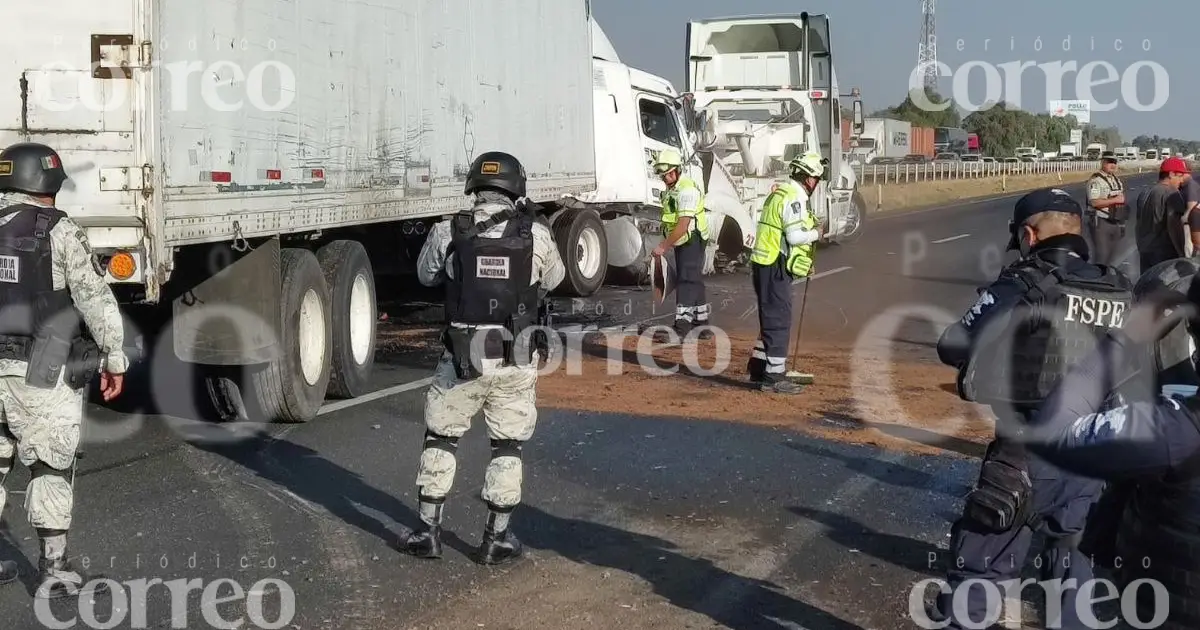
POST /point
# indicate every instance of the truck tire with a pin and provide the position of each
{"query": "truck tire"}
(351, 285)
(579, 234)
(292, 388)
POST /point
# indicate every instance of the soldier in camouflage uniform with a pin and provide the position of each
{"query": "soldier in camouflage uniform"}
(497, 264)
(1107, 215)
(41, 412)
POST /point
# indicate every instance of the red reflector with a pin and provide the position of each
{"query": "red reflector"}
(318, 173)
(217, 176)
(274, 174)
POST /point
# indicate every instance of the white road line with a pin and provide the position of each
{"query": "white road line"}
(373, 396)
(950, 238)
(423, 382)
(816, 276)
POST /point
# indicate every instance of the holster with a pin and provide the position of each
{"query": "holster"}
(83, 363)
(545, 320)
(47, 357)
(1001, 497)
(458, 342)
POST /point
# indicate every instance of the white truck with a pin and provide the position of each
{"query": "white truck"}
(766, 91)
(1027, 154)
(881, 139)
(1068, 152)
(1095, 150)
(249, 168)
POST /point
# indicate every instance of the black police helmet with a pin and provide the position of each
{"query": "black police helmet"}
(31, 168)
(498, 170)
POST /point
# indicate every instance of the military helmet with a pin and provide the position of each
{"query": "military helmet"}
(31, 168)
(808, 165)
(667, 160)
(496, 169)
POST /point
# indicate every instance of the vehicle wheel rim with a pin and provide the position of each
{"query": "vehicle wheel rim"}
(311, 335)
(587, 253)
(361, 318)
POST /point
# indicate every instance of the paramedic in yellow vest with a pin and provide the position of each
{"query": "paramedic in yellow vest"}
(686, 232)
(783, 251)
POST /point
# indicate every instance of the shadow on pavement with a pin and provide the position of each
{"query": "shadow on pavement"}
(694, 584)
(11, 552)
(929, 438)
(884, 472)
(308, 475)
(897, 551)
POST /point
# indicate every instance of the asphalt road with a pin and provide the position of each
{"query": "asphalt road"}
(709, 524)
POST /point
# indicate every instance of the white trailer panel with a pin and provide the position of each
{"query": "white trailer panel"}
(261, 117)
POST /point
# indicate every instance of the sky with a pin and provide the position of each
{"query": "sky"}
(875, 44)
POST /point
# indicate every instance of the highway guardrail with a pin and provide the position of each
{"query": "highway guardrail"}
(933, 171)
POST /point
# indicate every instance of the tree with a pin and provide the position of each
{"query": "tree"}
(1002, 128)
(946, 114)
(1183, 147)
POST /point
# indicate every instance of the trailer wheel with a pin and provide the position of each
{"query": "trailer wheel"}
(583, 245)
(292, 388)
(351, 285)
(856, 222)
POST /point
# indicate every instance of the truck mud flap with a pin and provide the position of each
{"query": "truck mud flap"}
(232, 316)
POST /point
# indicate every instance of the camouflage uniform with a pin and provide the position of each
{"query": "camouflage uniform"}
(506, 394)
(1106, 236)
(42, 426)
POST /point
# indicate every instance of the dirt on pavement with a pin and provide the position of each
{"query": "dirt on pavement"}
(868, 394)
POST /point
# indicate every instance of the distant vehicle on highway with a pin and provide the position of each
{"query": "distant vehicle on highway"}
(914, 158)
(1012, 160)
(972, 157)
(946, 157)
(989, 160)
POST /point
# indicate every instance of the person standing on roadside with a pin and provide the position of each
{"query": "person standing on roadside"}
(1160, 212)
(1191, 197)
(1107, 214)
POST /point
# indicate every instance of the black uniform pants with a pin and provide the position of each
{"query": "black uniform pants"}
(691, 303)
(773, 289)
(1063, 502)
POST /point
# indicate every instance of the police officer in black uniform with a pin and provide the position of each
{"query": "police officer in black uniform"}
(1044, 312)
(497, 264)
(1151, 446)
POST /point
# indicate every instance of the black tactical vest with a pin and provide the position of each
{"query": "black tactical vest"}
(1157, 539)
(27, 297)
(1059, 321)
(492, 276)
(1118, 213)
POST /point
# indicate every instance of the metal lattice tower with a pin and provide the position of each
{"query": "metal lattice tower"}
(927, 51)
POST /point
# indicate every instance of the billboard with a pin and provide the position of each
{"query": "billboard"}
(1076, 136)
(1081, 110)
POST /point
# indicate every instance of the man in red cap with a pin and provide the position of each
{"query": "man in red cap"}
(1160, 212)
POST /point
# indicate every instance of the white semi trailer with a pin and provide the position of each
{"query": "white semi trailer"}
(251, 166)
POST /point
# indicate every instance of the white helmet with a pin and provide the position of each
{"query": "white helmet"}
(810, 164)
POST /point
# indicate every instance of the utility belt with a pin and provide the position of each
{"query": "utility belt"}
(1116, 215)
(470, 345)
(48, 354)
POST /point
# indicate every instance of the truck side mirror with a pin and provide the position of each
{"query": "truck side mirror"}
(706, 138)
(858, 117)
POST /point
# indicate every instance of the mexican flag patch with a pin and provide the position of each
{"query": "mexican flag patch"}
(50, 162)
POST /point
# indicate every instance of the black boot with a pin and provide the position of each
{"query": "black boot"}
(427, 541)
(499, 546)
(8, 572)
